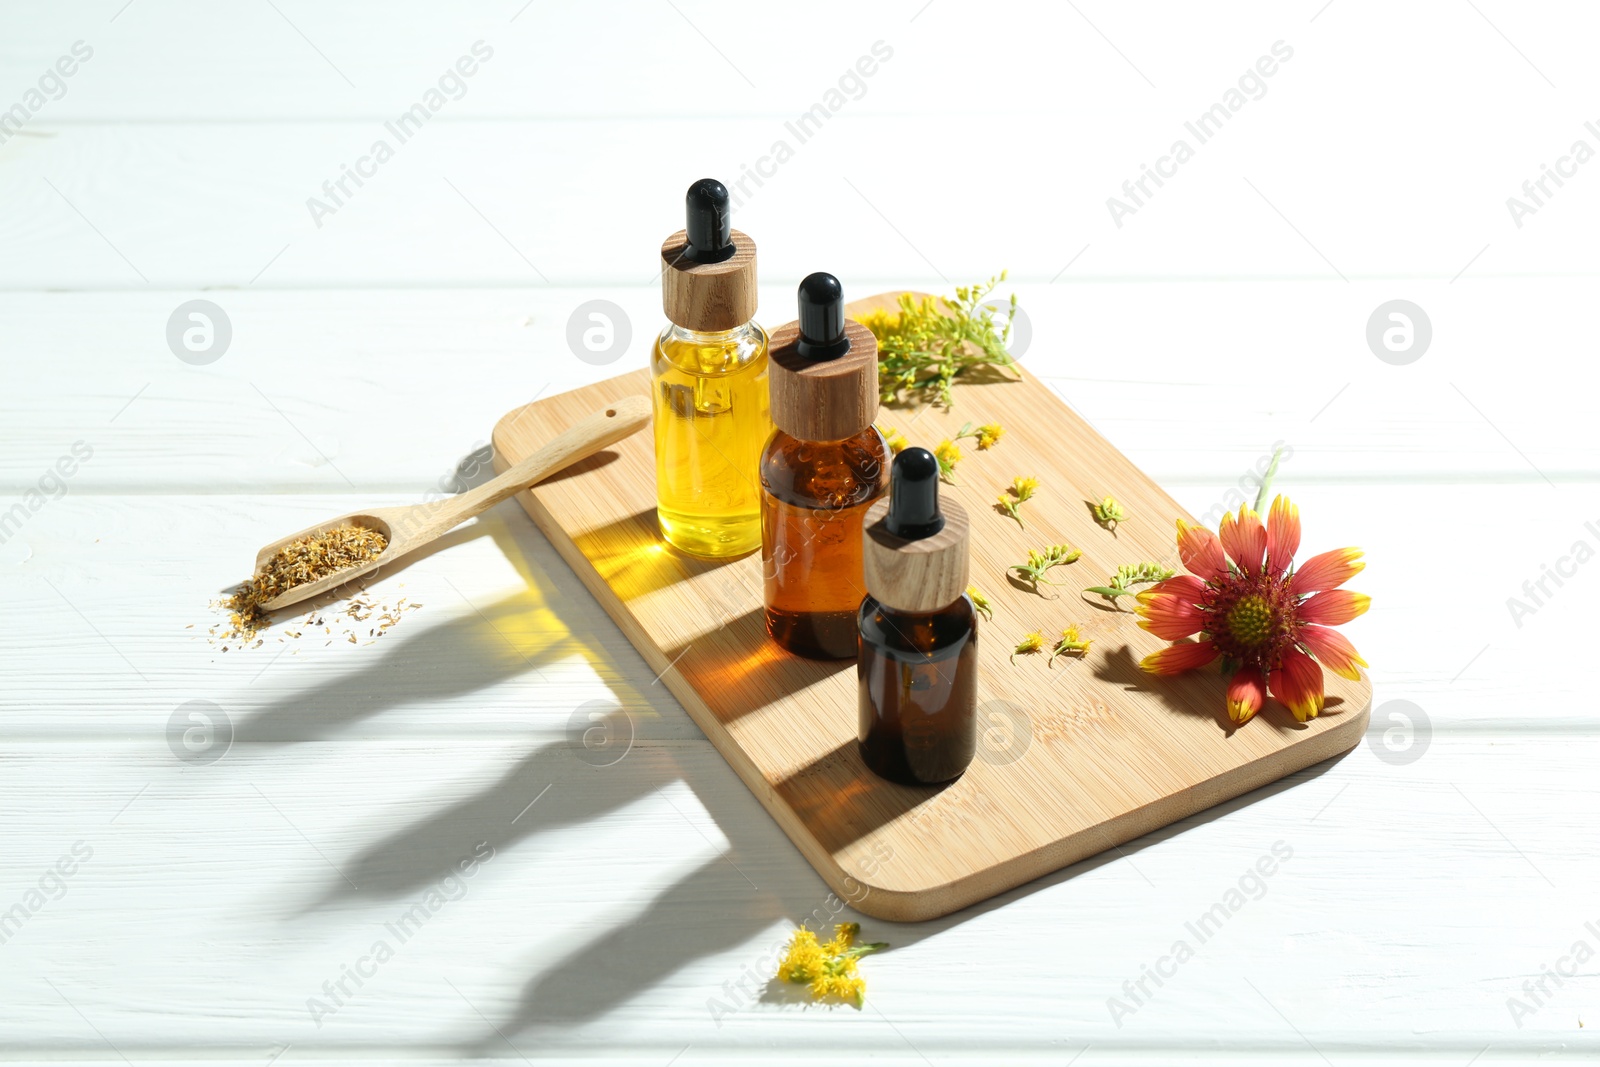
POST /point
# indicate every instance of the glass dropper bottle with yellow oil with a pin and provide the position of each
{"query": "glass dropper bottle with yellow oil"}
(710, 384)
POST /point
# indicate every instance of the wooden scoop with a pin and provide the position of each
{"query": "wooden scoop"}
(410, 528)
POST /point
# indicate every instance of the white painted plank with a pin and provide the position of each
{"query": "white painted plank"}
(507, 643)
(556, 61)
(1289, 191)
(385, 391)
(1415, 901)
(100, 590)
(1404, 169)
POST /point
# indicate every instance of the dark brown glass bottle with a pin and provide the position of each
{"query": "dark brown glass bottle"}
(917, 670)
(918, 674)
(814, 497)
(823, 467)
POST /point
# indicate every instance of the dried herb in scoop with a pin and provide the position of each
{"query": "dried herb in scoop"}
(304, 560)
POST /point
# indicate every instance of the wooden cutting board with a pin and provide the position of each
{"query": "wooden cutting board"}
(1073, 759)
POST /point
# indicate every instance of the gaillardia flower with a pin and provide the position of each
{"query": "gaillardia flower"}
(1252, 607)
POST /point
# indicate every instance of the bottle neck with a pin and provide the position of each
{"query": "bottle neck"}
(869, 437)
(746, 332)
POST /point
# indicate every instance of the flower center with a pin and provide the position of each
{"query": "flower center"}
(1250, 621)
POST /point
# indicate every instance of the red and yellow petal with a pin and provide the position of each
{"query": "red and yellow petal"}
(1201, 552)
(1298, 683)
(1247, 689)
(1184, 586)
(1283, 535)
(1334, 608)
(1175, 659)
(1330, 570)
(1333, 650)
(1171, 618)
(1245, 539)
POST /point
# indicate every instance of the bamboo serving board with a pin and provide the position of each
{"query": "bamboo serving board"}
(1073, 759)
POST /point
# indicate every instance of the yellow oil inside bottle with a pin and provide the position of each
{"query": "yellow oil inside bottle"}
(711, 423)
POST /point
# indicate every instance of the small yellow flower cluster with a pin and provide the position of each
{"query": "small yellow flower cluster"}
(1034, 642)
(880, 321)
(1038, 563)
(1070, 642)
(1108, 513)
(980, 602)
(1128, 575)
(828, 970)
(1010, 501)
(947, 452)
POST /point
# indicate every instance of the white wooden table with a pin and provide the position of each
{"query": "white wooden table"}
(630, 913)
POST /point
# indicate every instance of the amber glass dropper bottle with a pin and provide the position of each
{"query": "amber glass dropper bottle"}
(824, 466)
(710, 383)
(918, 668)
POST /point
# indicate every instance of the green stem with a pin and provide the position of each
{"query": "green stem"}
(1266, 481)
(1105, 590)
(861, 950)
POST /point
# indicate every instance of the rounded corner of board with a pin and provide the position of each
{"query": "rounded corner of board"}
(899, 906)
(896, 905)
(497, 436)
(1351, 727)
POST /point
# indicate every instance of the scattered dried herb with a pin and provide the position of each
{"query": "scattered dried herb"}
(980, 602)
(924, 346)
(359, 609)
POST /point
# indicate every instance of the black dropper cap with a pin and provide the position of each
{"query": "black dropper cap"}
(914, 495)
(708, 222)
(822, 333)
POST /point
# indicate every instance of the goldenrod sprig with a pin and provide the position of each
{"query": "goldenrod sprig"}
(927, 343)
(1070, 644)
(829, 970)
(1038, 563)
(980, 602)
(1034, 642)
(948, 453)
(1130, 575)
(986, 435)
(1010, 501)
(1109, 513)
(893, 438)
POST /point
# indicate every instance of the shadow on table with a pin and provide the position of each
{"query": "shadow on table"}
(491, 642)
(708, 911)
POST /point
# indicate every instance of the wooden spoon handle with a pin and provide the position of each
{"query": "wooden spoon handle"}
(622, 419)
